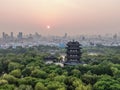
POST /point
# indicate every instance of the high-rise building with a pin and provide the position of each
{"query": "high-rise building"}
(65, 36)
(73, 53)
(20, 35)
(12, 35)
(3, 35)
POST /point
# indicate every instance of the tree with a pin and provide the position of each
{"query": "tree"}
(24, 87)
(90, 78)
(13, 66)
(83, 87)
(27, 71)
(16, 73)
(39, 74)
(116, 72)
(11, 79)
(28, 81)
(103, 68)
(54, 85)
(60, 78)
(107, 83)
(7, 87)
(3, 82)
(4, 65)
(40, 86)
(72, 82)
(76, 73)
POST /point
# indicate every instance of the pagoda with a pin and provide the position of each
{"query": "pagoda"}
(73, 53)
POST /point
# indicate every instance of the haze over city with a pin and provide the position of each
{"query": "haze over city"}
(56, 17)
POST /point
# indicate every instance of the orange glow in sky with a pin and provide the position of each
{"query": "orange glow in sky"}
(64, 16)
(48, 27)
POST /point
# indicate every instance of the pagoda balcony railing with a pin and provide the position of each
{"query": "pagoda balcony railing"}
(69, 45)
(73, 48)
(73, 57)
(74, 53)
(73, 60)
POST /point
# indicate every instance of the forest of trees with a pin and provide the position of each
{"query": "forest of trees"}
(24, 69)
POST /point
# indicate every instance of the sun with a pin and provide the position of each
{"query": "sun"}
(48, 26)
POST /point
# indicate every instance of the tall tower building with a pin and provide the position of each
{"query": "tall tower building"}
(3, 35)
(12, 35)
(73, 53)
(20, 35)
(65, 36)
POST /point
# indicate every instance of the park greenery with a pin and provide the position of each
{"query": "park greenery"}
(25, 69)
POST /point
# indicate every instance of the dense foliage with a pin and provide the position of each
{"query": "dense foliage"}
(24, 69)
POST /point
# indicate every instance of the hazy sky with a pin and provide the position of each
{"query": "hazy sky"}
(63, 16)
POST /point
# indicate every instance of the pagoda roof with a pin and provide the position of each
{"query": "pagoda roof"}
(73, 43)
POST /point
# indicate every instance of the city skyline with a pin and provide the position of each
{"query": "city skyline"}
(56, 17)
